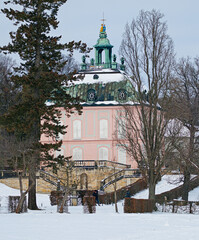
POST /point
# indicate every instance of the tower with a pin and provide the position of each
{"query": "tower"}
(103, 46)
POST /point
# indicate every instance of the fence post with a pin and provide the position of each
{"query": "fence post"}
(173, 207)
(190, 205)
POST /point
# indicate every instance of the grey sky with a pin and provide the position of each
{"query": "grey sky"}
(80, 20)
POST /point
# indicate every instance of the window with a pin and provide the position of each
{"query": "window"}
(122, 94)
(121, 155)
(103, 153)
(91, 95)
(103, 128)
(77, 154)
(77, 129)
(95, 76)
(121, 128)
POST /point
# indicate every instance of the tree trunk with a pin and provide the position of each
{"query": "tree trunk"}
(22, 194)
(20, 183)
(115, 193)
(32, 205)
(65, 198)
(115, 197)
(152, 190)
(185, 189)
(21, 201)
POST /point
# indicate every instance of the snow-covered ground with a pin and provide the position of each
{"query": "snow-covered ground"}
(46, 224)
(167, 183)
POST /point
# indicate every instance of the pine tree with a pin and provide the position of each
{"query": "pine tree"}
(40, 79)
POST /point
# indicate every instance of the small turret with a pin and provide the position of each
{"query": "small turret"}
(103, 45)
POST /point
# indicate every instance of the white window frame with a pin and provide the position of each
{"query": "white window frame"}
(77, 153)
(120, 130)
(103, 128)
(122, 156)
(77, 129)
(103, 153)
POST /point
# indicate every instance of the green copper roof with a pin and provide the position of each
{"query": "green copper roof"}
(103, 41)
(113, 92)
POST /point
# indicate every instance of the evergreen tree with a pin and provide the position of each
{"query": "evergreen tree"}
(40, 78)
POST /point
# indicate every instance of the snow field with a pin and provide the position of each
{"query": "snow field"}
(47, 224)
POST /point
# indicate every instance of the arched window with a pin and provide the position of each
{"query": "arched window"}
(103, 128)
(103, 153)
(121, 155)
(77, 131)
(77, 154)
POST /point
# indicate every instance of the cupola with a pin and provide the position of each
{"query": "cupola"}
(103, 45)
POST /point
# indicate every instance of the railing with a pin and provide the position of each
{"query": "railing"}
(124, 173)
(50, 178)
(8, 174)
(109, 198)
(97, 164)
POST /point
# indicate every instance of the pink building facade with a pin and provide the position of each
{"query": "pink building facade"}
(92, 136)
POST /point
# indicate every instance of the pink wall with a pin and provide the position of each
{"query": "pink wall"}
(90, 141)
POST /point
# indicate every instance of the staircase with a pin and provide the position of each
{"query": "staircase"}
(51, 179)
(117, 176)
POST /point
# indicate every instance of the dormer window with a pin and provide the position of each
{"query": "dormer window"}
(95, 76)
(122, 94)
(91, 95)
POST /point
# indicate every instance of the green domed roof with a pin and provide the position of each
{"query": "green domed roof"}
(103, 41)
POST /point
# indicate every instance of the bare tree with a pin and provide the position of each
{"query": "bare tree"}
(15, 149)
(71, 65)
(6, 92)
(185, 105)
(148, 51)
(7, 95)
(17, 153)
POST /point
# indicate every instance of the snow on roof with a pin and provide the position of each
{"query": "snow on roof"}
(104, 76)
(109, 103)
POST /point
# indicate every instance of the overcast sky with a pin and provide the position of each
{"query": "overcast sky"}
(80, 20)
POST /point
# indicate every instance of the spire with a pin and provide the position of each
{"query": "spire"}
(103, 19)
(103, 26)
